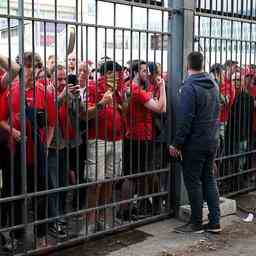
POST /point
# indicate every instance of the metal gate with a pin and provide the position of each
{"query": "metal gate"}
(225, 32)
(104, 167)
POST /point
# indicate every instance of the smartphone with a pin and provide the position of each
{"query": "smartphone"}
(72, 79)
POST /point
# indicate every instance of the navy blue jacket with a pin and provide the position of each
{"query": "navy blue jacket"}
(198, 114)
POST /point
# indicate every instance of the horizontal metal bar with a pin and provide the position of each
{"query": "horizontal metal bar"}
(219, 15)
(241, 191)
(81, 239)
(236, 155)
(142, 5)
(197, 38)
(72, 214)
(77, 23)
(236, 174)
(78, 186)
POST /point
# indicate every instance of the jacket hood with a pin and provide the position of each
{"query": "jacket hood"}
(203, 80)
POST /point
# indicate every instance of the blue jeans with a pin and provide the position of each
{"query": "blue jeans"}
(201, 184)
(57, 178)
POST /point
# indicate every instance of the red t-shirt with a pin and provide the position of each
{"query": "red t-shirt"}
(109, 118)
(252, 90)
(43, 101)
(2, 76)
(227, 89)
(139, 118)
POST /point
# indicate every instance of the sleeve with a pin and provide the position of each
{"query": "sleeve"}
(228, 90)
(51, 110)
(186, 114)
(232, 94)
(140, 95)
(3, 107)
(3, 80)
(91, 96)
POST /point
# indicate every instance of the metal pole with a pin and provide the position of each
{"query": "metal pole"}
(181, 43)
(22, 113)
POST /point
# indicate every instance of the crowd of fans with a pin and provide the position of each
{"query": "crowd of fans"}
(237, 87)
(83, 125)
(90, 125)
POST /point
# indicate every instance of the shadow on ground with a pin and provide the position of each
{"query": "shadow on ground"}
(105, 245)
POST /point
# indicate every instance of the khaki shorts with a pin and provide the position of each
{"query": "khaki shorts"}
(109, 160)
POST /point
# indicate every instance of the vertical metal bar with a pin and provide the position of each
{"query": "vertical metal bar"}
(114, 126)
(204, 51)
(210, 45)
(96, 119)
(231, 55)
(35, 176)
(76, 192)
(199, 32)
(131, 194)
(141, 164)
(163, 184)
(131, 73)
(11, 118)
(86, 135)
(251, 110)
(46, 118)
(77, 125)
(56, 105)
(222, 7)
(146, 164)
(22, 114)
(82, 32)
(105, 129)
(68, 149)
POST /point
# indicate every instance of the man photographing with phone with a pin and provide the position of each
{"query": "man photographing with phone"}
(64, 90)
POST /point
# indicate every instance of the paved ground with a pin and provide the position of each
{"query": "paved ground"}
(158, 239)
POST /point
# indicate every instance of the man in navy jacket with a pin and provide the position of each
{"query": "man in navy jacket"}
(196, 142)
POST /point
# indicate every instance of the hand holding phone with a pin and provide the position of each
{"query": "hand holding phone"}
(72, 79)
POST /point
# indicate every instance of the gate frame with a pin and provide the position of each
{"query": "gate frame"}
(181, 27)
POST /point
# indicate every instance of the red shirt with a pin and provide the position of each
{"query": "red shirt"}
(109, 118)
(2, 76)
(227, 89)
(43, 101)
(139, 118)
(252, 90)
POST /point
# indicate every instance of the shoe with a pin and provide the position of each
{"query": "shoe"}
(57, 230)
(10, 245)
(41, 242)
(189, 228)
(212, 228)
(91, 229)
(101, 226)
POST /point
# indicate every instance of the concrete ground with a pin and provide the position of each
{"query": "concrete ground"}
(158, 239)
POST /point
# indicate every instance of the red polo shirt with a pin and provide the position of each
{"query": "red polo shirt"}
(2, 76)
(139, 118)
(109, 118)
(42, 101)
(227, 89)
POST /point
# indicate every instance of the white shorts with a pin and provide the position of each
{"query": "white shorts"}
(109, 160)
